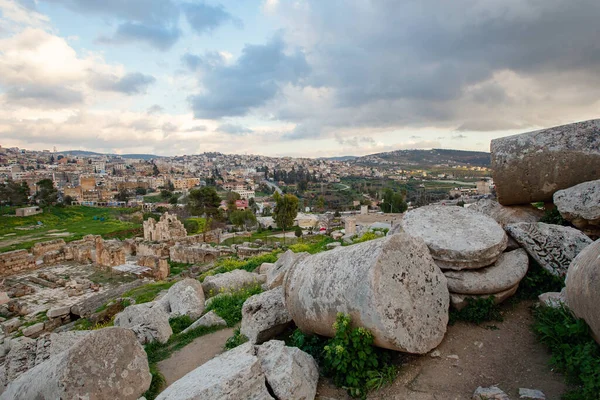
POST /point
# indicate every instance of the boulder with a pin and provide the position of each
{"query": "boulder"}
(459, 301)
(583, 287)
(186, 297)
(531, 167)
(291, 373)
(580, 204)
(283, 264)
(552, 246)
(149, 322)
(230, 282)
(531, 394)
(505, 215)
(334, 245)
(264, 316)
(107, 363)
(489, 393)
(458, 238)
(390, 286)
(554, 299)
(58, 311)
(505, 273)
(235, 374)
(207, 320)
(265, 268)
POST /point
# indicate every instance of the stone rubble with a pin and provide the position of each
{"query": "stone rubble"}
(149, 322)
(264, 316)
(580, 205)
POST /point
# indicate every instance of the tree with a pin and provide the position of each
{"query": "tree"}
(123, 195)
(68, 200)
(165, 194)
(231, 198)
(286, 210)
(46, 193)
(298, 231)
(266, 211)
(393, 202)
(13, 193)
(141, 191)
(155, 170)
(204, 202)
(191, 226)
(242, 218)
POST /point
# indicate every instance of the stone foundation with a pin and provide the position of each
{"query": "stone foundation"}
(13, 262)
(160, 266)
(193, 254)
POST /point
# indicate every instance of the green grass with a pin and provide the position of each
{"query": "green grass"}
(536, 282)
(229, 305)
(180, 323)
(574, 351)
(154, 198)
(146, 293)
(39, 317)
(109, 278)
(229, 264)
(177, 268)
(236, 340)
(312, 244)
(77, 221)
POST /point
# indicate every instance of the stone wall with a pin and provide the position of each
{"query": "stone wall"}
(41, 248)
(245, 252)
(167, 228)
(160, 266)
(109, 253)
(16, 261)
(209, 237)
(152, 249)
(193, 254)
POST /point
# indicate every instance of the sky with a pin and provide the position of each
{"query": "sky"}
(305, 78)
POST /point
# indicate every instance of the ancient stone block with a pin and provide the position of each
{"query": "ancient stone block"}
(168, 227)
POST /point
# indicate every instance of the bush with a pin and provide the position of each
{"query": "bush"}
(230, 264)
(553, 217)
(366, 237)
(476, 311)
(236, 340)
(229, 305)
(349, 358)
(574, 351)
(191, 226)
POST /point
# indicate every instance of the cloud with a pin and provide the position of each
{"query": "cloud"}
(160, 37)
(196, 128)
(303, 131)
(155, 109)
(458, 137)
(233, 129)
(43, 96)
(204, 18)
(130, 84)
(254, 79)
(210, 60)
(355, 141)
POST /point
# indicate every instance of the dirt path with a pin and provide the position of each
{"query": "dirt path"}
(193, 355)
(509, 357)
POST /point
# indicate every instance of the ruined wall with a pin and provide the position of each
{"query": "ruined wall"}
(193, 254)
(109, 253)
(167, 228)
(160, 266)
(152, 249)
(245, 252)
(41, 248)
(16, 261)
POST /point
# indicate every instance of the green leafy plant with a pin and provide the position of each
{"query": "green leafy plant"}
(366, 237)
(229, 305)
(538, 281)
(146, 293)
(179, 323)
(574, 351)
(553, 217)
(236, 340)
(177, 268)
(477, 311)
(229, 264)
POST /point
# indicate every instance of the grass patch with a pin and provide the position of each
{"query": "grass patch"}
(236, 340)
(574, 351)
(179, 323)
(108, 277)
(538, 281)
(366, 237)
(176, 268)
(147, 293)
(229, 264)
(39, 317)
(312, 245)
(84, 324)
(229, 305)
(477, 311)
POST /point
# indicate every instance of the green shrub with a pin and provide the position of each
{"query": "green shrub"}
(229, 305)
(176, 268)
(179, 323)
(230, 264)
(300, 247)
(191, 226)
(366, 237)
(349, 358)
(538, 281)
(476, 311)
(553, 217)
(574, 351)
(236, 340)
(158, 381)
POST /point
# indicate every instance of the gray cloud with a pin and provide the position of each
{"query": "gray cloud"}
(234, 129)
(43, 96)
(355, 141)
(130, 84)
(254, 79)
(160, 37)
(458, 137)
(210, 60)
(197, 128)
(155, 109)
(204, 18)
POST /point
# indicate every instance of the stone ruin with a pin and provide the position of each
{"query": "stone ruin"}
(168, 227)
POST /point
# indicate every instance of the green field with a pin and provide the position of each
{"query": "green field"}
(68, 223)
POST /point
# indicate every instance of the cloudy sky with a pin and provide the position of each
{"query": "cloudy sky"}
(301, 78)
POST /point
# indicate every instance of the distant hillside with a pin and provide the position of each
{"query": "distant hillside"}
(341, 158)
(428, 158)
(91, 153)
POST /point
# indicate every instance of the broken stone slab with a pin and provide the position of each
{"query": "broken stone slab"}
(33, 330)
(457, 237)
(506, 215)
(580, 204)
(489, 393)
(531, 394)
(390, 286)
(583, 287)
(333, 245)
(264, 316)
(107, 363)
(282, 265)
(235, 374)
(289, 371)
(230, 282)
(58, 311)
(11, 325)
(505, 273)
(207, 320)
(552, 246)
(4, 298)
(553, 299)
(186, 297)
(88, 306)
(149, 322)
(459, 301)
(532, 166)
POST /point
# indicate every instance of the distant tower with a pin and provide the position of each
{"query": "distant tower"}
(55, 149)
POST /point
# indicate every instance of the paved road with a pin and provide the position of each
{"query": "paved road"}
(272, 186)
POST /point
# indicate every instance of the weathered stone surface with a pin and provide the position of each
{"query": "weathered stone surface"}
(552, 246)
(553, 299)
(264, 316)
(87, 307)
(531, 394)
(458, 238)
(291, 373)
(532, 166)
(459, 301)
(207, 320)
(282, 265)
(265, 268)
(506, 215)
(235, 374)
(390, 286)
(58, 311)
(489, 393)
(186, 297)
(505, 273)
(230, 282)
(20, 358)
(333, 245)
(33, 329)
(583, 287)
(55, 343)
(107, 363)
(580, 204)
(149, 322)
(168, 227)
